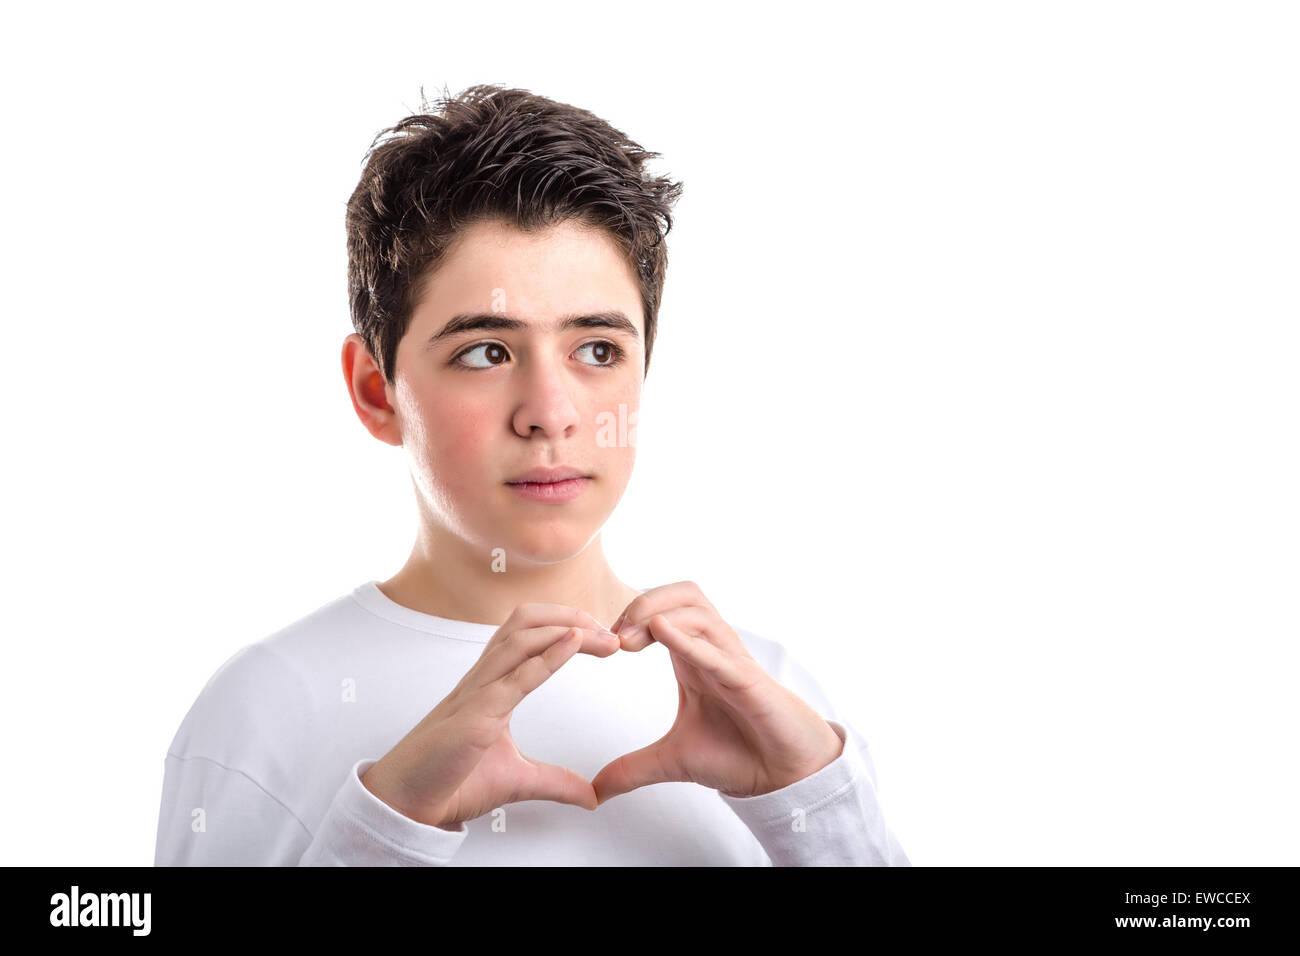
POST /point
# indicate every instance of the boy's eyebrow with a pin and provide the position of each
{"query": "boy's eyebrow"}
(474, 321)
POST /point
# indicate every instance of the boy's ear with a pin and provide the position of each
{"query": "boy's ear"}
(368, 391)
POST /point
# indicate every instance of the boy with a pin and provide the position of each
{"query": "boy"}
(505, 266)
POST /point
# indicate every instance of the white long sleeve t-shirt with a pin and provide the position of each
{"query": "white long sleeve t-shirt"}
(266, 767)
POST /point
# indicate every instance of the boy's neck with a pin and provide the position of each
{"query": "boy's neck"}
(469, 590)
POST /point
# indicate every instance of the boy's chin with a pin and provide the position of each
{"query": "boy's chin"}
(540, 547)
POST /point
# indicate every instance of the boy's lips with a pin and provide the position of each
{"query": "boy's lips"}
(546, 476)
(553, 491)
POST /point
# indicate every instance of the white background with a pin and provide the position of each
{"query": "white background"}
(976, 385)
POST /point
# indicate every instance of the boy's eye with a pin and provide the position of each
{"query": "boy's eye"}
(494, 353)
(605, 353)
(495, 350)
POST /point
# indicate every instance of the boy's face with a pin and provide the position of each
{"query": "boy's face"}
(477, 408)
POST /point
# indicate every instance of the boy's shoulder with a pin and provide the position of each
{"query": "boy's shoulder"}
(263, 681)
(282, 655)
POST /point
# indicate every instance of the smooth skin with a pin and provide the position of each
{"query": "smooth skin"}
(472, 411)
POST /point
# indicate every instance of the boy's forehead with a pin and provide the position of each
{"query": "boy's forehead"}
(495, 266)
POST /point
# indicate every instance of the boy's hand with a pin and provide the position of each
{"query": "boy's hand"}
(460, 761)
(738, 730)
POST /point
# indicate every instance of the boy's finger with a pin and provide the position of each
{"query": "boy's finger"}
(661, 599)
(637, 636)
(545, 615)
(551, 782)
(521, 645)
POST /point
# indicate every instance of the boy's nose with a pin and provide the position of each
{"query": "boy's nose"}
(545, 403)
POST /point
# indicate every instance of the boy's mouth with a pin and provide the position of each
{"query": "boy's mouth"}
(558, 484)
(547, 476)
(553, 491)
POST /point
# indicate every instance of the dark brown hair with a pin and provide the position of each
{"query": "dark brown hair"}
(501, 154)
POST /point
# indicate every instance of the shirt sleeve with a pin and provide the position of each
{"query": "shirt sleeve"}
(213, 815)
(829, 818)
(832, 817)
(359, 829)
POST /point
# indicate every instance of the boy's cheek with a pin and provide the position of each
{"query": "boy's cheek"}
(615, 464)
(450, 441)
(465, 451)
